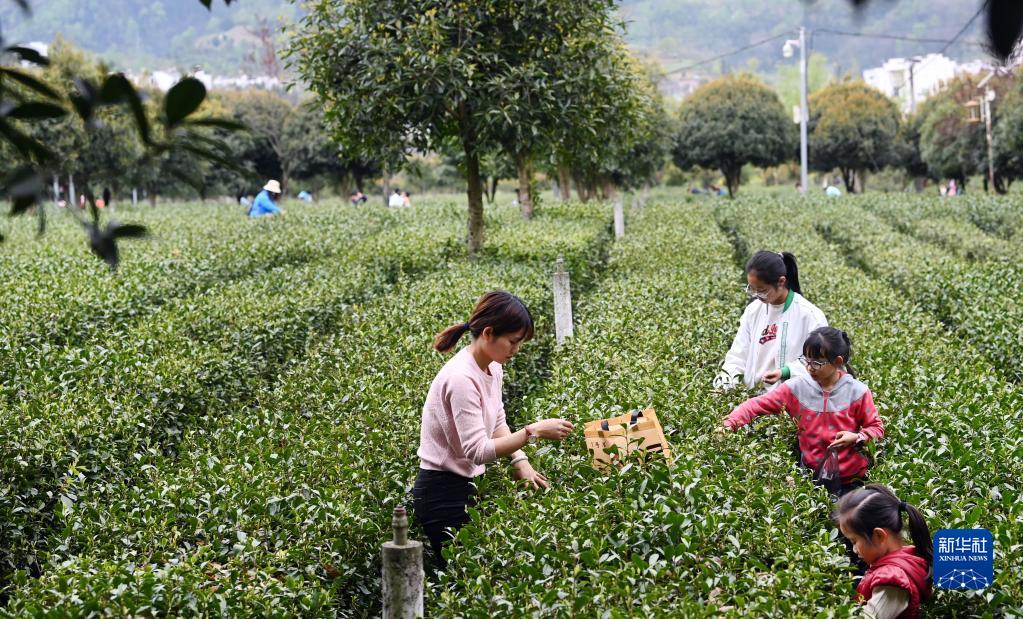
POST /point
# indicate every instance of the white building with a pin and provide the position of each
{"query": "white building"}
(926, 73)
(163, 80)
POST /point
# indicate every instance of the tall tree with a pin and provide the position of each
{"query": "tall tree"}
(731, 122)
(953, 145)
(853, 127)
(403, 75)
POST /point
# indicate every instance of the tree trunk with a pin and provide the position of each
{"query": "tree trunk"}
(525, 180)
(608, 189)
(849, 180)
(732, 178)
(860, 182)
(565, 183)
(490, 188)
(474, 189)
(580, 190)
(152, 198)
(918, 183)
(1000, 187)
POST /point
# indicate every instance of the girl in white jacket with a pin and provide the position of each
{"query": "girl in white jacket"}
(773, 326)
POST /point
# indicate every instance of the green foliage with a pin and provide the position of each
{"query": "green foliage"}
(224, 428)
(853, 127)
(732, 122)
(1008, 133)
(951, 145)
(480, 76)
(250, 393)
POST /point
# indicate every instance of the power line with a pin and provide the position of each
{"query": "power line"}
(726, 54)
(964, 28)
(893, 37)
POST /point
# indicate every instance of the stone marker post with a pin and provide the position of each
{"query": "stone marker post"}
(619, 219)
(562, 302)
(402, 571)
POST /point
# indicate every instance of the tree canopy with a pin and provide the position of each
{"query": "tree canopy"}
(853, 127)
(732, 122)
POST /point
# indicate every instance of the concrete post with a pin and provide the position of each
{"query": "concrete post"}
(72, 199)
(56, 191)
(134, 198)
(562, 302)
(402, 571)
(619, 219)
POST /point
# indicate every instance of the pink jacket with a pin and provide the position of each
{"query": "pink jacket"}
(819, 416)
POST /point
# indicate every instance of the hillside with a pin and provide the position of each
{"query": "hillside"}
(149, 34)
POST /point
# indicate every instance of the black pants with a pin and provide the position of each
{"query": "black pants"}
(441, 500)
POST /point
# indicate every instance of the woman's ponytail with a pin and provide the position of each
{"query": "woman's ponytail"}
(791, 272)
(447, 338)
(499, 311)
(919, 532)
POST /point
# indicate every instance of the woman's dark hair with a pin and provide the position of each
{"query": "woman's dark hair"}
(875, 506)
(769, 266)
(829, 343)
(502, 311)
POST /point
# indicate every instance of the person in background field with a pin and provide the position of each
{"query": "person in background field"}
(463, 426)
(953, 188)
(832, 410)
(395, 200)
(357, 198)
(305, 196)
(773, 326)
(898, 579)
(265, 204)
(405, 201)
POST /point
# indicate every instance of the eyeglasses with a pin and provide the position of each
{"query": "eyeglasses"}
(813, 364)
(756, 294)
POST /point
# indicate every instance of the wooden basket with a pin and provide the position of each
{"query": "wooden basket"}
(635, 430)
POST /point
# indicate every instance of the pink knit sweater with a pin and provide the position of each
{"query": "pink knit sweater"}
(462, 410)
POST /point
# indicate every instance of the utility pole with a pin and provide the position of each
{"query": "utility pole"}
(804, 114)
(985, 112)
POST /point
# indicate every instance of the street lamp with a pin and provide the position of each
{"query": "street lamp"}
(787, 51)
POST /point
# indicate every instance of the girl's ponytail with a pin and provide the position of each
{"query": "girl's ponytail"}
(770, 266)
(919, 532)
(875, 506)
(848, 353)
(447, 338)
(791, 272)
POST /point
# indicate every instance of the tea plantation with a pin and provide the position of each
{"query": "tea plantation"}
(223, 427)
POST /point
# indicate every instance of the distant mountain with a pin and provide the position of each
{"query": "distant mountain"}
(152, 34)
(156, 34)
(682, 32)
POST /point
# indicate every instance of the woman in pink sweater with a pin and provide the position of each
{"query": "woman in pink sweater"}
(464, 426)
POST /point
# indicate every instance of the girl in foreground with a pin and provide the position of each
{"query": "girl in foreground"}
(898, 578)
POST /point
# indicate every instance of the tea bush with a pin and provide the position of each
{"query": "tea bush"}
(233, 441)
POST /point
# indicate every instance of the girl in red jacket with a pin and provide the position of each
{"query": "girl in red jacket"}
(832, 409)
(898, 579)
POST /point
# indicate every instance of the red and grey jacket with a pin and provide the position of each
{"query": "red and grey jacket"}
(819, 416)
(903, 569)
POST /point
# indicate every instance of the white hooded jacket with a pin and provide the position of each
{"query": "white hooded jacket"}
(770, 337)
